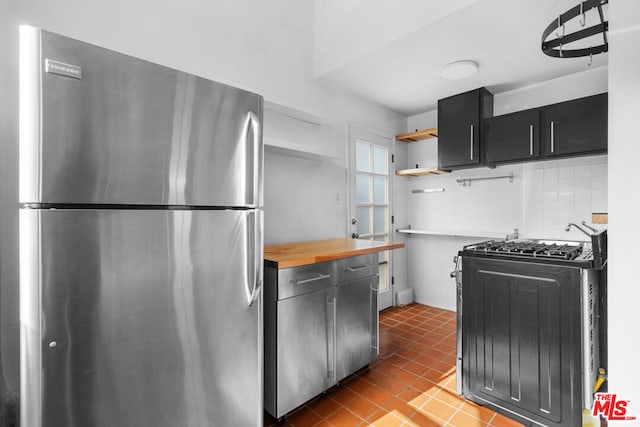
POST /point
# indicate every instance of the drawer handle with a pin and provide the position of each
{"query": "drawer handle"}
(313, 279)
(362, 267)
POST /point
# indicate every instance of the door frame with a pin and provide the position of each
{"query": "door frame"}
(358, 132)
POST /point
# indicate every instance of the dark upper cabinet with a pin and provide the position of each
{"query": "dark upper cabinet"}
(513, 137)
(461, 129)
(575, 127)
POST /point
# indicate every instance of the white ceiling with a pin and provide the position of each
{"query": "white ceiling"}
(400, 69)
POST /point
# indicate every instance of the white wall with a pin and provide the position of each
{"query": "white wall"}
(624, 174)
(305, 195)
(557, 192)
(265, 47)
(484, 207)
(543, 198)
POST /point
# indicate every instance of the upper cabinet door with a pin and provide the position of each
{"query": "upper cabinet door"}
(460, 129)
(513, 137)
(111, 129)
(575, 127)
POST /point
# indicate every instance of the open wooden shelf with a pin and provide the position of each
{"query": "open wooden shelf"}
(599, 218)
(420, 172)
(418, 135)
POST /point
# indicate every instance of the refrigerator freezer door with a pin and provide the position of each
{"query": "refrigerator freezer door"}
(141, 318)
(102, 127)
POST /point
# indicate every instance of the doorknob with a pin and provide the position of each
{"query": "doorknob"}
(353, 221)
(354, 235)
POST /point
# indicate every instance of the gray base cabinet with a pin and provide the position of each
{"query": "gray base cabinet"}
(321, 325)
(305, 361)
(356, 325)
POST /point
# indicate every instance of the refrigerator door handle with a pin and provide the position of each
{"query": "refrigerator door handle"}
(255, 255)
(253, 125)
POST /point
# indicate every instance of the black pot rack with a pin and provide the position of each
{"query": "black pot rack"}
(555, 47)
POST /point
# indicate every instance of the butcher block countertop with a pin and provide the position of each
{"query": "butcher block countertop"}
(290, 255)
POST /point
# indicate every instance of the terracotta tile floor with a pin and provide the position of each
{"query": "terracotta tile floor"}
(412, 383)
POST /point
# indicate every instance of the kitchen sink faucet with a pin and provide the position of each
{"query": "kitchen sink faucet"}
(578, 227)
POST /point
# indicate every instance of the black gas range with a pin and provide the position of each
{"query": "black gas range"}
(574, 254)
(528, 326)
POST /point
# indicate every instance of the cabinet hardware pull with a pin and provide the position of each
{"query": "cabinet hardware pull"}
(313, 279)
(471, 144)
(531, 140)
(552, 141)
(331, 352)
(362, 267)
(254, 261)
(375, 339)
(335, 341)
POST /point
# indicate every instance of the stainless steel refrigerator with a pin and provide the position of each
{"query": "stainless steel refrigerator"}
(140, 242)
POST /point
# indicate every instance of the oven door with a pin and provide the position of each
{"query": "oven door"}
(521, 339)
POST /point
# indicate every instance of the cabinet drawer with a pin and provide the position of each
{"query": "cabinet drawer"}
(306, 278)
(355, 268)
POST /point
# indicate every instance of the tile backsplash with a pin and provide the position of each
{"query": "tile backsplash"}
(557, 192)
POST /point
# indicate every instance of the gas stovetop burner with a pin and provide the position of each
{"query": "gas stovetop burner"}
(529, 248)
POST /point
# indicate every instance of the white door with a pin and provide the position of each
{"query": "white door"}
(370, 187)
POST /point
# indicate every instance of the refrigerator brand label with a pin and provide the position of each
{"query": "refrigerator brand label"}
(62, 69)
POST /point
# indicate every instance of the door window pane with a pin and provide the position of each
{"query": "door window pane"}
(379, 220)
(379, 160)
(363, 157)
(382, 257)
(362, 220)
(380, 190)
(363, 188)
(383, 284)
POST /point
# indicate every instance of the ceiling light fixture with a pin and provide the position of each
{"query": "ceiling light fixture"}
(558, 47)
(458, 70)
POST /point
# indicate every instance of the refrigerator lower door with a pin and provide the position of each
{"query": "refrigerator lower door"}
(141, 318)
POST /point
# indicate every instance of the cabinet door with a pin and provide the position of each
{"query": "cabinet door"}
(305, 350)
(356, 325)
(521, 338)
(460, 132)
(574, 127)
(513, 137)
